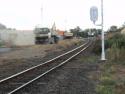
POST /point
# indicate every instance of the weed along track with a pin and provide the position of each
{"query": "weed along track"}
(15, 83)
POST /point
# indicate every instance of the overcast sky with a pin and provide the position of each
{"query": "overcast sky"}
(26, 14)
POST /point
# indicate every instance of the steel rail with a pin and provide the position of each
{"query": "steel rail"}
(48, 71)
(29, 69)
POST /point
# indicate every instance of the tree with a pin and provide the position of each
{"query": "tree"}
(93, 31)
(2, 26)
(99, 31)
(113, 28)
(76, 31)
(123, 25)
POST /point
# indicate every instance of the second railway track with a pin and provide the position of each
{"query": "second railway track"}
(12, 84)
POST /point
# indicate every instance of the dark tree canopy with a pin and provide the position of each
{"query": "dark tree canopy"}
(2, 26)
(78, 32)
(113, 28)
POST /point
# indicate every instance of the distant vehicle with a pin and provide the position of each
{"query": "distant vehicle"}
(64, 35)
(45, 35)
(68, 35)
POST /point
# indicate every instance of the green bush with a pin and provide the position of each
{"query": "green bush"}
(0, 44)
(97, 47)
(118, 40)
(116, 48)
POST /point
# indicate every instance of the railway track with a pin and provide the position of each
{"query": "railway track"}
(14, 83)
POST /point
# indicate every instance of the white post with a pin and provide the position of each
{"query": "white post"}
(65, 24)
(103, 44)
(42, 17)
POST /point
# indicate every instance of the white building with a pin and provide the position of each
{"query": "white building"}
(17, 37)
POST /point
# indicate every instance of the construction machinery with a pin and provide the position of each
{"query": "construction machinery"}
(45, 35)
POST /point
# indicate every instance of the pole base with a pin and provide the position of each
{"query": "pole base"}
(103, 60)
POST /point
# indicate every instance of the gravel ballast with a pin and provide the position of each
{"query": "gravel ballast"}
(72, 78)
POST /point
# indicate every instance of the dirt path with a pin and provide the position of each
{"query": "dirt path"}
(24, 57)
(36, 50)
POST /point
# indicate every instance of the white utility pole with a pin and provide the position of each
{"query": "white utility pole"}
(102, 24)
(94, 18)
(42, 16)
(65, 24)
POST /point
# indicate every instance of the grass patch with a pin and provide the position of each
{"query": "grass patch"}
(89, 59)
(107, 84)
(69, 42)
(107, 81)
(105, 89)
(112, 78)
